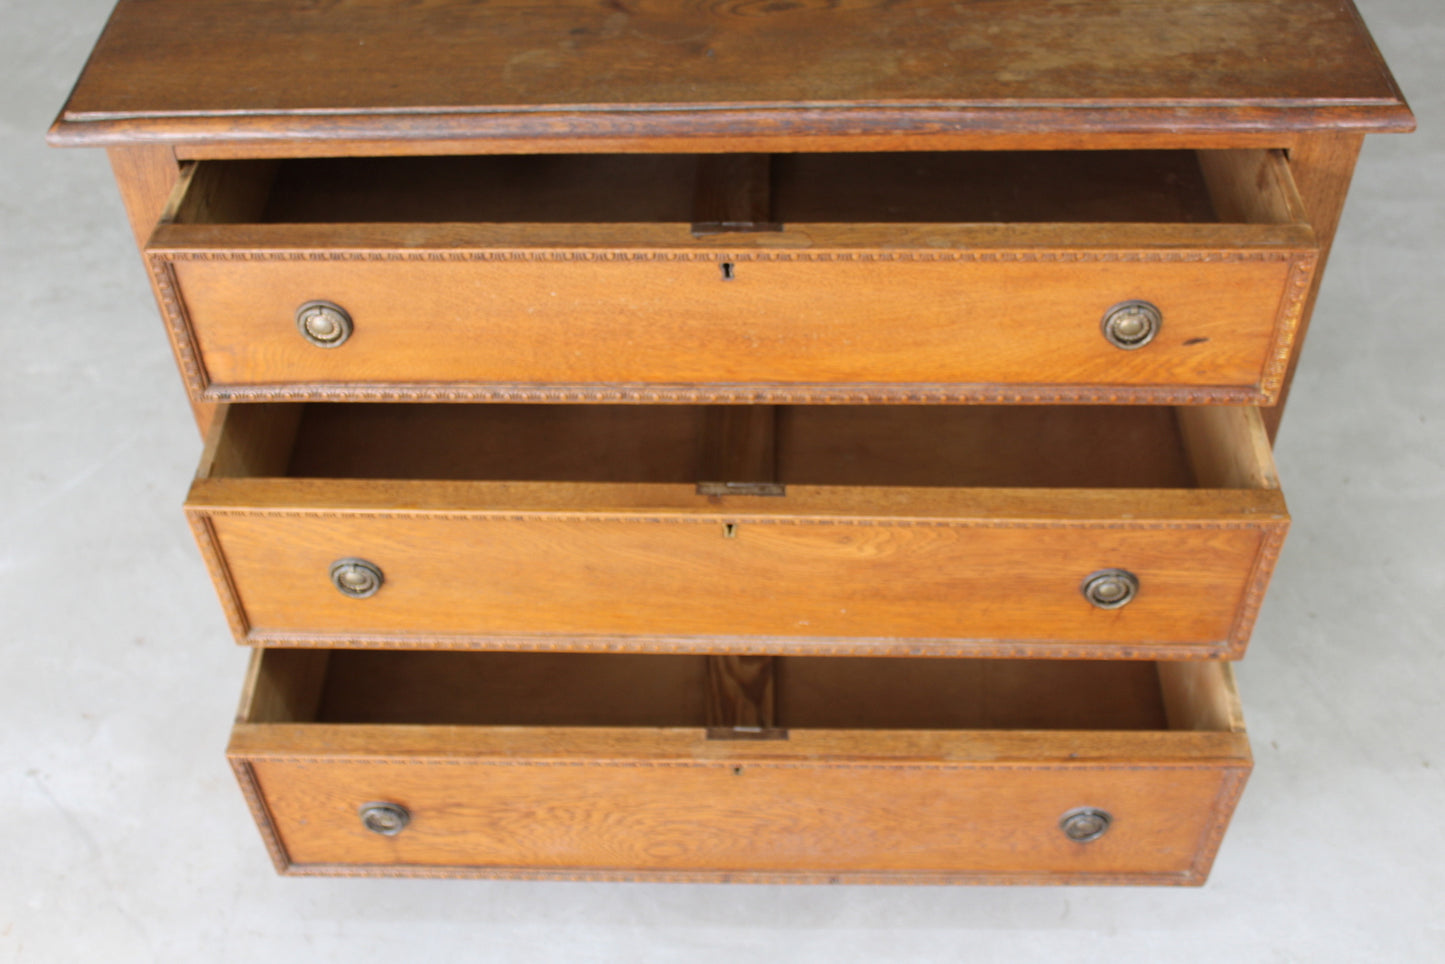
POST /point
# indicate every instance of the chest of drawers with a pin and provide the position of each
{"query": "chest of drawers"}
(792, 442)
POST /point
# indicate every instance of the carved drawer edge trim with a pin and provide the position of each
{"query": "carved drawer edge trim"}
(362, 759)
(685, 516)
(613, 252)
(759, 645)
(1256, 586)
(178, 326)
(1225, 802)
(215, 559)
(255, 802)
(1287, 323)
(1190, 878)
(836, 394)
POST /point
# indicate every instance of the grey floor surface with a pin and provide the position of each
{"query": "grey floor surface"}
(123, 837)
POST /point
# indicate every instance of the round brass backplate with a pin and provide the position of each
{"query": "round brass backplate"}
(1085, 823)
(323, 324)
(1132, 324)
(356, 578)
(1110, 588)
(387, 819)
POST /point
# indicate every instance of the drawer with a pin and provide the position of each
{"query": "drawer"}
(740, 768)
(1070, 531)
(798, 278)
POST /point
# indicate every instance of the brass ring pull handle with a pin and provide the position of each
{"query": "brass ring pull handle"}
(386, 819)
(356, 578)
(323, 324)
(1085, 823)
(1110, 588)
(1132, 324)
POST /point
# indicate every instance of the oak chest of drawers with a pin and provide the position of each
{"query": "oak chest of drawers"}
(738, 441)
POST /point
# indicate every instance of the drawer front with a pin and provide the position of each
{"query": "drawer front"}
(734, 582)
(745, 819)
(755, 323)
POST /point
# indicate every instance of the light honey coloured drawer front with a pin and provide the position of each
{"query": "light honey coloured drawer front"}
(740, 768)
(1165, 277)
(1132, 532)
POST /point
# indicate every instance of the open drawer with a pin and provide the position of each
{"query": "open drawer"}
(1074, 531)
(740, 768)
(1147, 276)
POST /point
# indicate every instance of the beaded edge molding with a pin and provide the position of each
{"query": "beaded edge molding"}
(1260, 574)
(751, 646)
(684, 516)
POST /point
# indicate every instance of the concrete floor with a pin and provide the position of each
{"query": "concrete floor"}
(125, 838)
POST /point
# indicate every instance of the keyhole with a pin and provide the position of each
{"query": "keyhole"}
(730, 530)
(727, 270)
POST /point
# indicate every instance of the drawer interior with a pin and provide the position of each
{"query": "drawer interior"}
(982, 445)
(749, 192)
(735, 696)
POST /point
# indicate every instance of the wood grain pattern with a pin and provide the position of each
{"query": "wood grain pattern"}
(828, 311)
(1228, 447)
(1200, 697)
(734, 193)
(880, 804)
(146, 176)
(809, 316)
(742, 694)
(653, 68)
(690, 242)
(880, 567)
(1252, 187)
(579, 578)
(1325, 163)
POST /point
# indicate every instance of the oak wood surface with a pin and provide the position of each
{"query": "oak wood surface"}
(578, 304)
(885, 539)
(1200, 696)
(861, 801)
(1325, 164)
(1228, 447)
(564, 766)
(247, 70)
(146, 176)
(742, 696)
(805, 318)
(734, 193)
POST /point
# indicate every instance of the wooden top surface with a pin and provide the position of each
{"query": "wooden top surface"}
(225, 71)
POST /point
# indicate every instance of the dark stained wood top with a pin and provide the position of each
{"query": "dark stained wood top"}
(227, 71)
